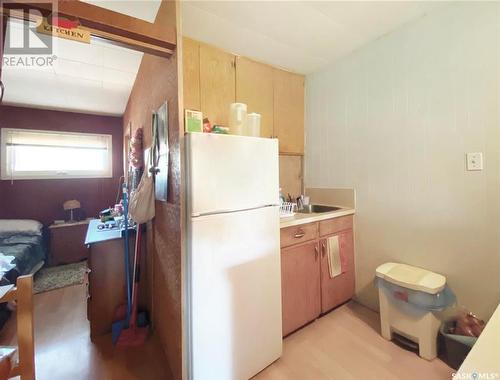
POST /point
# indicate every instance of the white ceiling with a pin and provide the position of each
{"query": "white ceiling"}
(91, 78)
(301, 36)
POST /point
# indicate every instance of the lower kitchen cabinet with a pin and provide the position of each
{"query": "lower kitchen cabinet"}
(300, 284)
(337, 290)
(306, 287)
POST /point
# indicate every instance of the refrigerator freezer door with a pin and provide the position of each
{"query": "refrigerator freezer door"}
(230, 173)
(234, 293)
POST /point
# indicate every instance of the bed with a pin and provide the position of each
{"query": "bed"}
(22, 251)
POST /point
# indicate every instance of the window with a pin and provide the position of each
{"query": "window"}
(31, 154)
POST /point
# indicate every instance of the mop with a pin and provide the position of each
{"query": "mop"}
(134, 335)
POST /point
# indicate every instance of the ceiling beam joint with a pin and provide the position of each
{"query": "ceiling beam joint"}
(114, 27)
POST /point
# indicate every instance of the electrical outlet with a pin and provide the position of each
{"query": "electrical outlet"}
(474, 161)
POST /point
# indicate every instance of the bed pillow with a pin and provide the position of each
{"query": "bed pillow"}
(9, 227)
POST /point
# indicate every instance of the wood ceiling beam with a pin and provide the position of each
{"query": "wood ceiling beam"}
(117, 28)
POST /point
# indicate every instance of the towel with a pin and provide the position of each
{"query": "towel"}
(336, 261)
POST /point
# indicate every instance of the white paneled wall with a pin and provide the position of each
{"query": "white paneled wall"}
(394, 120)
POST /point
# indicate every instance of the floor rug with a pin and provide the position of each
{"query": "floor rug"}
(59, 277)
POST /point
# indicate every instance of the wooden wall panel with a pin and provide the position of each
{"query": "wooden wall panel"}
(191, 73)
(157, 82)
(42, 199)
(291, 175)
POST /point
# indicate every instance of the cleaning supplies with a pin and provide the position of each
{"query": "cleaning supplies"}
(133, 335)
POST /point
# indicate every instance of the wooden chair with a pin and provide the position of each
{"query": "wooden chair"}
(23, 294)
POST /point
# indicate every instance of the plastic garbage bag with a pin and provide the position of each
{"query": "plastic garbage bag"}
(414, 301)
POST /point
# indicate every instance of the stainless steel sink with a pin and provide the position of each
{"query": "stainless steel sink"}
(312, 209)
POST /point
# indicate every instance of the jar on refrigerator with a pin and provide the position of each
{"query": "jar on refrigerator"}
(253, 124)
(237, 118)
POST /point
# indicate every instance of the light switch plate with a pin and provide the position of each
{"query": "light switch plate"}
(474, 161)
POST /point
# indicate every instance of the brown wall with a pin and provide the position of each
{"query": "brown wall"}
(157, 82)
(42, 199)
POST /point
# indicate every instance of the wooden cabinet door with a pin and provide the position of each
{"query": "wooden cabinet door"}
(337, 290)
(217, 84)
(300, 284)
(254, 87)
(289, 111)
(191, 73)
(67, 244)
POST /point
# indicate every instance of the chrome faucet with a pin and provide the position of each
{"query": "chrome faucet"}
(300, 202)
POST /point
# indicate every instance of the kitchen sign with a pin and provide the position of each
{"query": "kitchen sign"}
(63, 28)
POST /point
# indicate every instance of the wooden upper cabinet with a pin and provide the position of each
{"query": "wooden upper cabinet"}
(254, 87)
(213, 79)
(191, 73)
(217, 84)
(289, 111)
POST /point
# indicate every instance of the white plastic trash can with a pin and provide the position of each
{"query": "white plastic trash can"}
(408, 296)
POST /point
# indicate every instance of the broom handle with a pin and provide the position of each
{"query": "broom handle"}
(127, 254)
(137, 275)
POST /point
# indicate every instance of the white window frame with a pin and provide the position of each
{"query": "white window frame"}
(52, 174)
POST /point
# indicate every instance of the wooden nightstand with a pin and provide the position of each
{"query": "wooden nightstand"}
(67, 243)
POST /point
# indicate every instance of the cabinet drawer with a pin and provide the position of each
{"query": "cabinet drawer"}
(298, 234)
(331, 226)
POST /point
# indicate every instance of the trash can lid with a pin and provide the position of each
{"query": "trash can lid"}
(411, 277)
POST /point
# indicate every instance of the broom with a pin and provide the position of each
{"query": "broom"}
(134, 335)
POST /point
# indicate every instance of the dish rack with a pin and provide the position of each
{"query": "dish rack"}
(287, 209)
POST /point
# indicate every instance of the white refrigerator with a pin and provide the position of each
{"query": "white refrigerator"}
(233, 264)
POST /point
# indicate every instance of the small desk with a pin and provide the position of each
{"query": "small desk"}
(106, 285)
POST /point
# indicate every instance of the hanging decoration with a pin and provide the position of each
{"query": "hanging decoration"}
(135, 158)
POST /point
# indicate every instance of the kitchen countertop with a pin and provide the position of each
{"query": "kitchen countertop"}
(484, 358)
(300, 218)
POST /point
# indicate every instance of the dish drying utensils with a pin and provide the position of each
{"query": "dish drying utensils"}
(287, 209)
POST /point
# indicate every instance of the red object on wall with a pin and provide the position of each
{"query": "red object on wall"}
(63, 22)
(42, 199)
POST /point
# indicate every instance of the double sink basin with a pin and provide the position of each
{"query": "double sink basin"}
(317, 209)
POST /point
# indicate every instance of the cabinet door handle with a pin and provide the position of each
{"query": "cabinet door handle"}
(323, 249)
(316, 252)
(299, 234)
